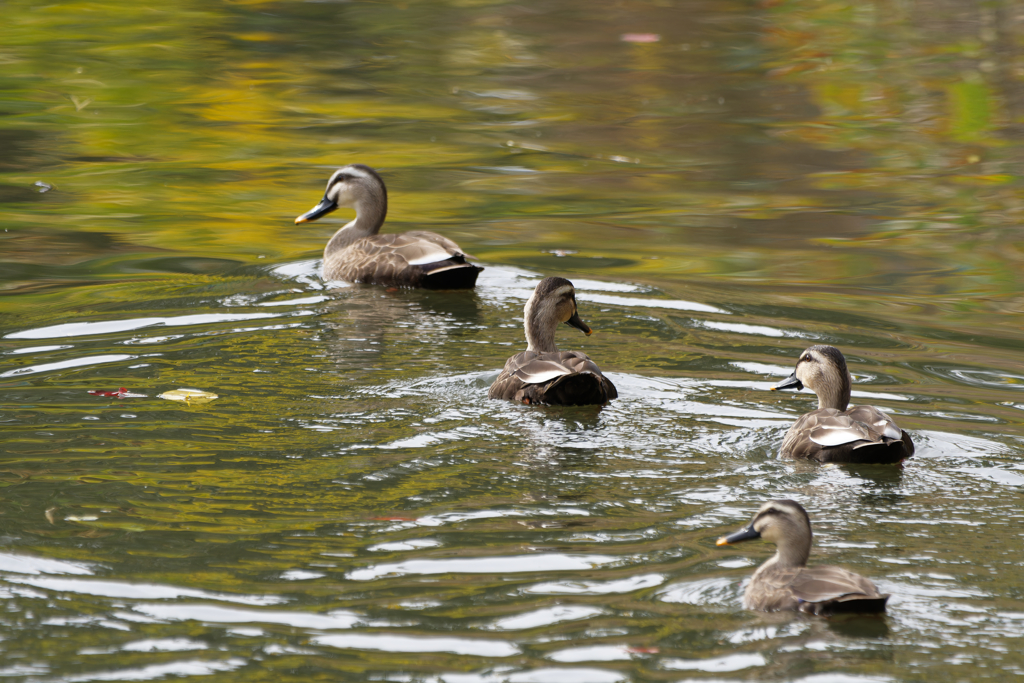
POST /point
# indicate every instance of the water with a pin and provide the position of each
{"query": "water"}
(351, 506)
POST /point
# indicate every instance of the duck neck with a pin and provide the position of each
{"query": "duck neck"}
(834, 393)
(370, 213)
(793, 553)
(540, 328)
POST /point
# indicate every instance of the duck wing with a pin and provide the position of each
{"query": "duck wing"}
(418, 247)
(821, 590)
(832, 435)
(877, 423)
(560, 377)
(826, 590)
(405, 259)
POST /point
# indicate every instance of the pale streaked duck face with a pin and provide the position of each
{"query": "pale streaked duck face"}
(553, 302)
(822, 369)
(354, 186)
(782, 522)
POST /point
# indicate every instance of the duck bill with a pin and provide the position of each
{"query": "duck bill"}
(747, 534)
(322, 209)
(790, 382)
(576, 322)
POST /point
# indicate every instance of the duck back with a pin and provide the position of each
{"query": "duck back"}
(820, 590)
(556, 378)
(861, 434)
(409, 259)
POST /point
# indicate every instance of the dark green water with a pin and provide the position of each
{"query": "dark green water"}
(763, 177)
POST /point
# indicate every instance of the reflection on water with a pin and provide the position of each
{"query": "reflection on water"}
(724, 183)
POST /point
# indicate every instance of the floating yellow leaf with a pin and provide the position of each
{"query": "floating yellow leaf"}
(189, 396)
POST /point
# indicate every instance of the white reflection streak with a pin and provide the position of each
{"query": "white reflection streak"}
(545, 617)
(550, 562)
(629, 585)
(717, 664)
(144, 591)
(25, 564)
(340, 619)
(632, 301)
(592, 653)
(67, 364)
(478, 647)
(193, 667)
(112, 326)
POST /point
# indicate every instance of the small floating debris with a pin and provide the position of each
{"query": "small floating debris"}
(562, 253)
(43, 187)
(189, 396)
(640, 37)
(120, 393)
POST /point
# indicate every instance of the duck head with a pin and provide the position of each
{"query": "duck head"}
(782, 522)
(822, 369)
(354, 186)
(553, 302)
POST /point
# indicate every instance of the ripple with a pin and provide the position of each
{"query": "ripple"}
(759, 330)
(476, 647)
(544, 675)
(713, 591)
(114, 326)
(545, 617)
(143, 591)
(67, 364)
(996, 474)
(716, 664)
(192, 667)
(542, 562)
(39, 349)
(163, 645)
(989, 378)
(633, 583)
(634, 302)
(296, 302)
(411, 544)
(592, 653)
(338, 619)
(26, 564)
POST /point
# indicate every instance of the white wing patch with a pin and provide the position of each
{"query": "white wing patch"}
(430, 256)
(835, 436)
(891, 430)
(539, 371)
(540, 377)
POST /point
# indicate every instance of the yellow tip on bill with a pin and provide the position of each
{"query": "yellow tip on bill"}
(722, 541)
(769, 389)
(300, 219)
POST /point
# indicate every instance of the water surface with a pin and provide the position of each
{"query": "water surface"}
(726, 183)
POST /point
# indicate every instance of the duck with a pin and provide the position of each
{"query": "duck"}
(356, 253)
(786, 583)
(837, 432)
(542, 373)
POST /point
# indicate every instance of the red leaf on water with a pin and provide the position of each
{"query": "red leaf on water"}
(119, 393)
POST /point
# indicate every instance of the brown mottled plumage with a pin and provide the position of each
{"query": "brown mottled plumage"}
(835, 432)
(785, 582)
(542, 373)
(356, 253)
